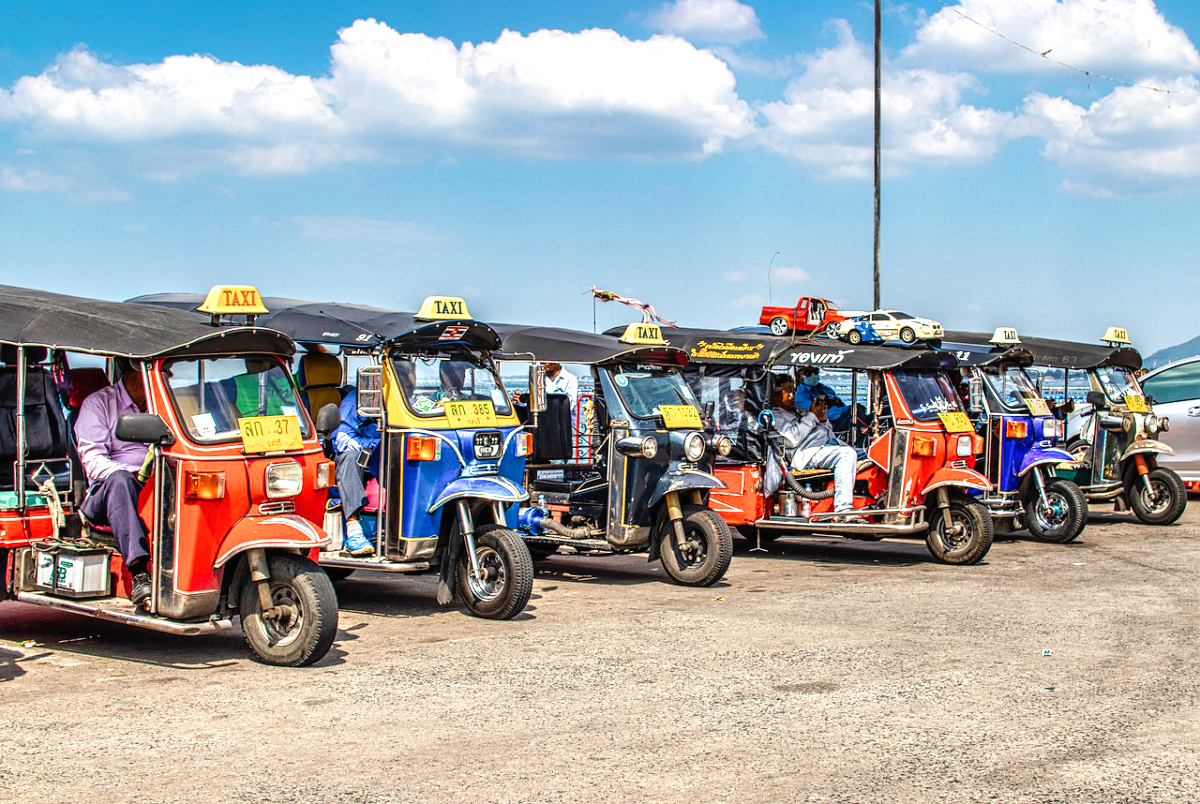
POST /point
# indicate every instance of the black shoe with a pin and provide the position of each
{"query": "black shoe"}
(140, 592)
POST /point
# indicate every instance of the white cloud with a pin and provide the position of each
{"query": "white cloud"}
(734, 276)
(708, 20)
(789, 275)
(362, 229)
(1118, 37)
(749, 300)
(30, 180)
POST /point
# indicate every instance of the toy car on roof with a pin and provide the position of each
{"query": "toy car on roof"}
(888, 325)
(811, 315)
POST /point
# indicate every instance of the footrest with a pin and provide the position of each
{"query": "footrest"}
(807, 475)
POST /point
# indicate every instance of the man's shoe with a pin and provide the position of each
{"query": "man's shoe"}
(140, 591)
(356, 544)
(852, 519)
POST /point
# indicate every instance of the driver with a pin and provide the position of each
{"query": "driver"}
(812, 445)
(355, 441)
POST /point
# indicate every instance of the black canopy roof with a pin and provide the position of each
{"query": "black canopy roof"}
(342, 324)
(986, 354)
(570, 346)
(77, 324)
(1062, 354)
(725, 347)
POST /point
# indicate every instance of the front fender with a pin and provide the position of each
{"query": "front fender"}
(1145, 445)
(682, 480)
(281, 530)
(1037, 457)
(490, 487)
(968, 478)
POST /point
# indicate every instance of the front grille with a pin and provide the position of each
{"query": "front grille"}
(278, 507)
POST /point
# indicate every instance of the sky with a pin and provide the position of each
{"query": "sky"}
(1041, 159)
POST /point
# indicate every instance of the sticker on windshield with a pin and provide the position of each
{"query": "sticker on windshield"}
(621, 380)
(206, 426)
(423, 404)
(287, 410)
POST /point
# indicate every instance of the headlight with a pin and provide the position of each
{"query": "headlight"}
(1151, 423)
(284, 480)
(693, 447)
(649, 447)
(1127, 423)
(634, 447)
(966, 446)
(488, 444)
(724, 446)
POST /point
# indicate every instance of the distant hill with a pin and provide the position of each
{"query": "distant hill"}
(1172, 353)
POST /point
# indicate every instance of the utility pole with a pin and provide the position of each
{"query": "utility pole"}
(878, 37)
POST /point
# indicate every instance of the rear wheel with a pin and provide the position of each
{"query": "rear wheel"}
(507, 574)
(1164, 502)
(708, 548)
(961, 534)
(1060, 517)
(299, 629)
(854, 337)
(907, 335)
(779, 326)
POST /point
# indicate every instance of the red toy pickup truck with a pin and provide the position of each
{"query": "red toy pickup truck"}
(810, 315)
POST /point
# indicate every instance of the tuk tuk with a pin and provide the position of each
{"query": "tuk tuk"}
(236, 475)
(1112, 435)
(450, 462)
(916, 473)
(643, 486)
(1020, 441)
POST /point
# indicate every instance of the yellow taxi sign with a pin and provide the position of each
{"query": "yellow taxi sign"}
(270, 433)
(441, 308)
(1004, 336)
(233, 299)
(644, 335)
(1116, 335)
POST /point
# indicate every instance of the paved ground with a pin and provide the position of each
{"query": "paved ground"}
(821, 671)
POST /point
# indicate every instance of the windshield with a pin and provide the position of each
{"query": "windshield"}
(427, 382)
(1117, 383)
(211, 394)
(899, 314)
(927, 394)
(1013, 386)
(644, 387)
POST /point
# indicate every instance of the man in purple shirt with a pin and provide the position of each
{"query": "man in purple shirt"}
(111, 467)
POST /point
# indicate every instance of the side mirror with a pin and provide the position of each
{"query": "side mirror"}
(1095, 399)
(144, 428)
(1039, 382)
(709, 408)
(369, 384)
(975, 394)
(328, 419)
(537, 388)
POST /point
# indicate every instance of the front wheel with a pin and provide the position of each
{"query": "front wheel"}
(907, 335)
(1168, 501)
(854, 337)
(300, 627)
(507, 574)
(708, 548)
(960, 534)
(1060, 517)
(779, 326)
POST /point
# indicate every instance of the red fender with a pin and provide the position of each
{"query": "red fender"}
(281, 530)
(957, 477)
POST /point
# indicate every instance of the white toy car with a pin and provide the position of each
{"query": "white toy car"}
(888, 325)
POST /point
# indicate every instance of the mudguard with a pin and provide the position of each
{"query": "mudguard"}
(682, 480)
(281, 530)
(1145, 445)
(1037, 457)
(968, 478)
(492, 487)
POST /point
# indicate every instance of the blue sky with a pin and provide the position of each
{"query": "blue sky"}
(518, 153)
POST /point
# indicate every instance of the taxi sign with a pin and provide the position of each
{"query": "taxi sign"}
(270, 433)
(677, 417)
(233, 299)
(956, 421)
(473, 413)
(643, 334)
(1116, 335)
(441, 308)
(1136, 404)
(1004, 336)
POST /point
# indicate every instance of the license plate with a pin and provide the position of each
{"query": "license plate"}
(1037, 406)
(676, 417)
(956, 422)
(1137, 404)
(270, 433)
(475, 413)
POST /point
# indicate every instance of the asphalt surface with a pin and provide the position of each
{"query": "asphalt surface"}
(819, 671)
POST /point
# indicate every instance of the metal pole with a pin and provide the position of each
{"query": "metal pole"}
(878, 37)
(770, 292)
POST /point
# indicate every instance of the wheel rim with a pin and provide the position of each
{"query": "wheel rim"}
(493, 572)
(778, 327)
(908, 336)
(1053, 512)
(954, 531)
(695, 550)
(1162, 493)
(285, 627)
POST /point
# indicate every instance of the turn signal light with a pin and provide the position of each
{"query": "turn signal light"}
(423, 448)
(524, 445)
(978, 445)
(923, 447)
(1016, 429)
(204, 485)
(325, 474)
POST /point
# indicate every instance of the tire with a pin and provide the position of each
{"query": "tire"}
(338, 574)
(830, 330)
(967, 547)
(1063, 520)
(907, 335)
(1172, 497)
(854, 337)
(779, 326)
(304, 636)
(708, 562)
(503, 594)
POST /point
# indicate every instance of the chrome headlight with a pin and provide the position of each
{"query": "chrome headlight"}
(1128, 423)
(284, 480)
(634, 447)
(693, 447)
(724, 446)
(1152, 424)
(966, 446)
(649, 447)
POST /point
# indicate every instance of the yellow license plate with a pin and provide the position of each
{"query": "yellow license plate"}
(956, 422)
(1137, 404)
(1037, 406)
(677, 417)
(270, 433)
(476, 413)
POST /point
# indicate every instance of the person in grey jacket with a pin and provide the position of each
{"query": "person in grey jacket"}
(812, 445)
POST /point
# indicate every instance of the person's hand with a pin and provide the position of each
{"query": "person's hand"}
(820, 408)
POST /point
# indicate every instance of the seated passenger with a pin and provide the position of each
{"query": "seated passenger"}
(812, 445)
(355, 441)
(111, 467)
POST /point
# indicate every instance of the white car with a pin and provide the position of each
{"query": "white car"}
(888, 325)
(1175, 389)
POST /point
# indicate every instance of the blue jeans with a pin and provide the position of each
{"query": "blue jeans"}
(842, 460)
